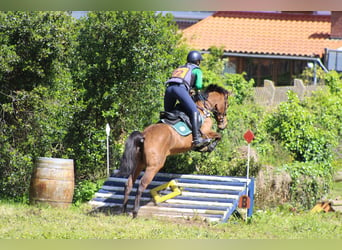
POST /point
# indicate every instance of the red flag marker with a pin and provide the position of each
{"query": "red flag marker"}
(249, 136)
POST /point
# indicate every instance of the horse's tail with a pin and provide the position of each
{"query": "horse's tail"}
(133, 147)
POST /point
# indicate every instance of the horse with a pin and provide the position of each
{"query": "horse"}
(149, 149)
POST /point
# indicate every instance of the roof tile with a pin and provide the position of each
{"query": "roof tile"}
(263, 33)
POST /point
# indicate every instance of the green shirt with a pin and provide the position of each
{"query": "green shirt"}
(198, 84)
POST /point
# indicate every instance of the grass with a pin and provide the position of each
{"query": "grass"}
(20, 221)
(336, 191)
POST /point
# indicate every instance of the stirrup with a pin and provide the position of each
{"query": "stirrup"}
(200, 142)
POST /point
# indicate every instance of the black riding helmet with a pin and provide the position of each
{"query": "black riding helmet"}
(194, 56)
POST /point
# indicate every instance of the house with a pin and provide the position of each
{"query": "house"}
(185, 19)
(274, 46)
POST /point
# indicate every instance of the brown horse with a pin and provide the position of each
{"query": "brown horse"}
(148, 150)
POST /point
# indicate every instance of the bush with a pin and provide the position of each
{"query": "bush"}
(37, 98)
(326, 105)
(294, 126)
(35, 47)
(85, 190)
(334, 82)
(124, 57)
(310, 182)
(34, 124)
(309, 130)
(58, 96)
(242, 90)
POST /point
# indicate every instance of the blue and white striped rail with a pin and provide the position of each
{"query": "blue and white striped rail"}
(213, 197)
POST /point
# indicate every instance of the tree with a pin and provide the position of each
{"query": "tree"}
(37, 96)
(124, 59)
(33, 45)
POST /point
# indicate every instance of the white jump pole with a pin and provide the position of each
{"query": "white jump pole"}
(248, 158)
(107, 132)
(249, 136)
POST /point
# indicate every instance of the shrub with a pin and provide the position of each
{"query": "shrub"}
(34, 124)
(326, 104)
(309, 131)
(242, 90)
(37, 98)
(85, 190)
(294, 126)
(124, 57)
(334, 82)
(310, 182)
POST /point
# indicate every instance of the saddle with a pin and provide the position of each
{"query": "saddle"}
(174, 117)
(180, 122)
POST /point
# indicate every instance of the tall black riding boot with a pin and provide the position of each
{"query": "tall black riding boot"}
(198, 141)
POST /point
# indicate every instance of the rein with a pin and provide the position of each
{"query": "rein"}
(207, 111)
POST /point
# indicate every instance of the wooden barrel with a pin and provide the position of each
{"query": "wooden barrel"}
(52, 182)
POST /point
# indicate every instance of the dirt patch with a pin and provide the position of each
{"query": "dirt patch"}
(338, 176)
(117, 210)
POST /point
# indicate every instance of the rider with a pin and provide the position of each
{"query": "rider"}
(183, 80)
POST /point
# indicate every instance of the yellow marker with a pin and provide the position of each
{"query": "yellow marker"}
(175, 191)
(322, 206)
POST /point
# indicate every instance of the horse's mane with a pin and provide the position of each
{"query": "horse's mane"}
(216, 88)
(211, 88)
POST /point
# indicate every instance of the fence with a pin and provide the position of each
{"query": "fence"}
(269, 95)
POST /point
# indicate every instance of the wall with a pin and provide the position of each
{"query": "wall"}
(269, 95)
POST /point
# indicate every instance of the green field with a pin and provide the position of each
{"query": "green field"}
(19, 221)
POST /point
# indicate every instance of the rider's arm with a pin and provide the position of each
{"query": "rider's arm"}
(198, 78)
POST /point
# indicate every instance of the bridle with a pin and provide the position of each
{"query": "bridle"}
(212, 109)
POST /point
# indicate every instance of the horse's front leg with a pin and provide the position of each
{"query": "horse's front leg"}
(213, 135)
(215, 138)
(212, 145)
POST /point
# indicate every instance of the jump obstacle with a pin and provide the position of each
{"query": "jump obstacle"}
(215, 198)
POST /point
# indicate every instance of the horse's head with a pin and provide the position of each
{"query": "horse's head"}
(218, 99)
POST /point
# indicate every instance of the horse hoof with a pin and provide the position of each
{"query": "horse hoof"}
(123, 210)
(135, 214)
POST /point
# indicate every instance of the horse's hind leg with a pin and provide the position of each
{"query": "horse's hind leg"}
(144, 182)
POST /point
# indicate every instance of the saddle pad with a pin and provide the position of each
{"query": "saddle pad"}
(180, 127)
